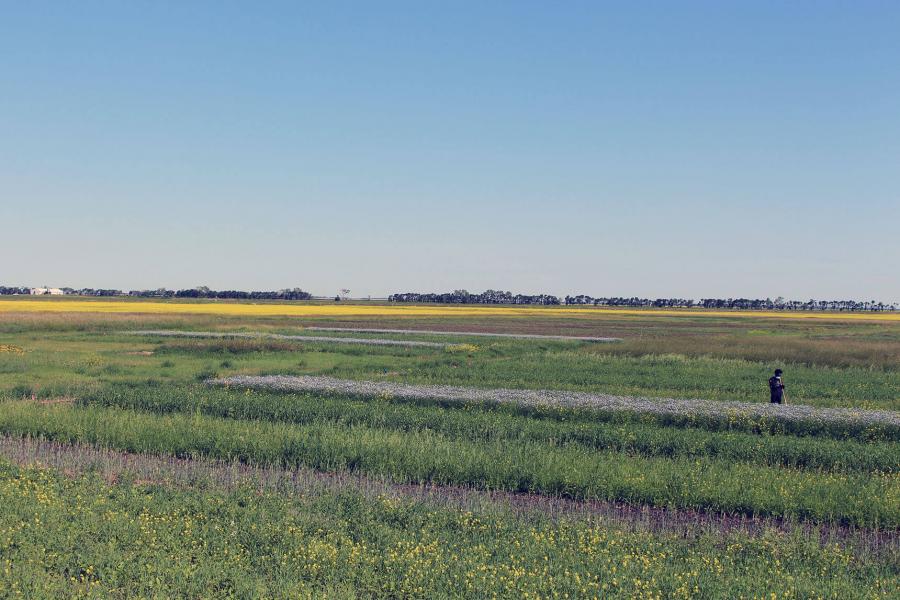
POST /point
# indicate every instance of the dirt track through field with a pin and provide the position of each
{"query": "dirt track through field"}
(299, 338)
(566, 399)
(518, 336)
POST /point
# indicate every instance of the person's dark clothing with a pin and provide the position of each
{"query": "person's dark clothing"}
(776, 389)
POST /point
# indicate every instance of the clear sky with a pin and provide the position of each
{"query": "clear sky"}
(631, 148)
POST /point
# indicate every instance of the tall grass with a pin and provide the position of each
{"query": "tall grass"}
(206, 473)
(84, 537)
(868, 499)
(767, 347)
(503, 423)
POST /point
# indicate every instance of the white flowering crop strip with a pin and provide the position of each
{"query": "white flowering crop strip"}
(568, 399)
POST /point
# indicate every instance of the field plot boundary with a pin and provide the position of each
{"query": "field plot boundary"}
(567, 399)
(517, 336)
(299, 338)
(168, 470)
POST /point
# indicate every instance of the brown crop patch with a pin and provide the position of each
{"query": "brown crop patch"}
(227, 346)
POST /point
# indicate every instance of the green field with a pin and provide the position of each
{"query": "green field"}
(705, 507)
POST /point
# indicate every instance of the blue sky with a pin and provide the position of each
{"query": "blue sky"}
(654, 149)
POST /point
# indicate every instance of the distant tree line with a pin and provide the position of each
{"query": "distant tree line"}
(205, 292)
(496, 297)
(781, 304)
(13, 290)
(92, 292)
(736, 303)
(200, 292)
(464, 297)
(24, 291)
(630, 302)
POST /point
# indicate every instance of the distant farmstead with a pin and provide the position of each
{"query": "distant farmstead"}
(44, 291)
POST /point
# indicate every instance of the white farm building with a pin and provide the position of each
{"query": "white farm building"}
(45, 291)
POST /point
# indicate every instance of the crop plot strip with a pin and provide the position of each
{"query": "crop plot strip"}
(858, 499)
(570, 399)
(506, 423)
(82, 536)
(516, 336)
(300, 338)
(113, 465)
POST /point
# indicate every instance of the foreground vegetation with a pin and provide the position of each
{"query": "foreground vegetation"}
(81, 381)
(81, 536)
(426, 457)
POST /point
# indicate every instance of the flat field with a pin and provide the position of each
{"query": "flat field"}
(125, 472)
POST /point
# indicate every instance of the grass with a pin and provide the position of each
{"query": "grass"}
(59, 363)
(815, 349)
(864, 499)
(503, 423)
(68, 534)
(84, 537)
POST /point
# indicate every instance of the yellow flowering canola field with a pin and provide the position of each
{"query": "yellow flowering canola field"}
(394, 310)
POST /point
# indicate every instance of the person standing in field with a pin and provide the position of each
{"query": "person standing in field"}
(776, 388)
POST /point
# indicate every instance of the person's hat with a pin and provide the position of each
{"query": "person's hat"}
(778, 371)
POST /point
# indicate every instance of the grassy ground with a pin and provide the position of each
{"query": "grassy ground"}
(59, 358)
(82, 536)
(861, 499)
(80, 379)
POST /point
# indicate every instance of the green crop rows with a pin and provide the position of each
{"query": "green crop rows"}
(823, 498)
